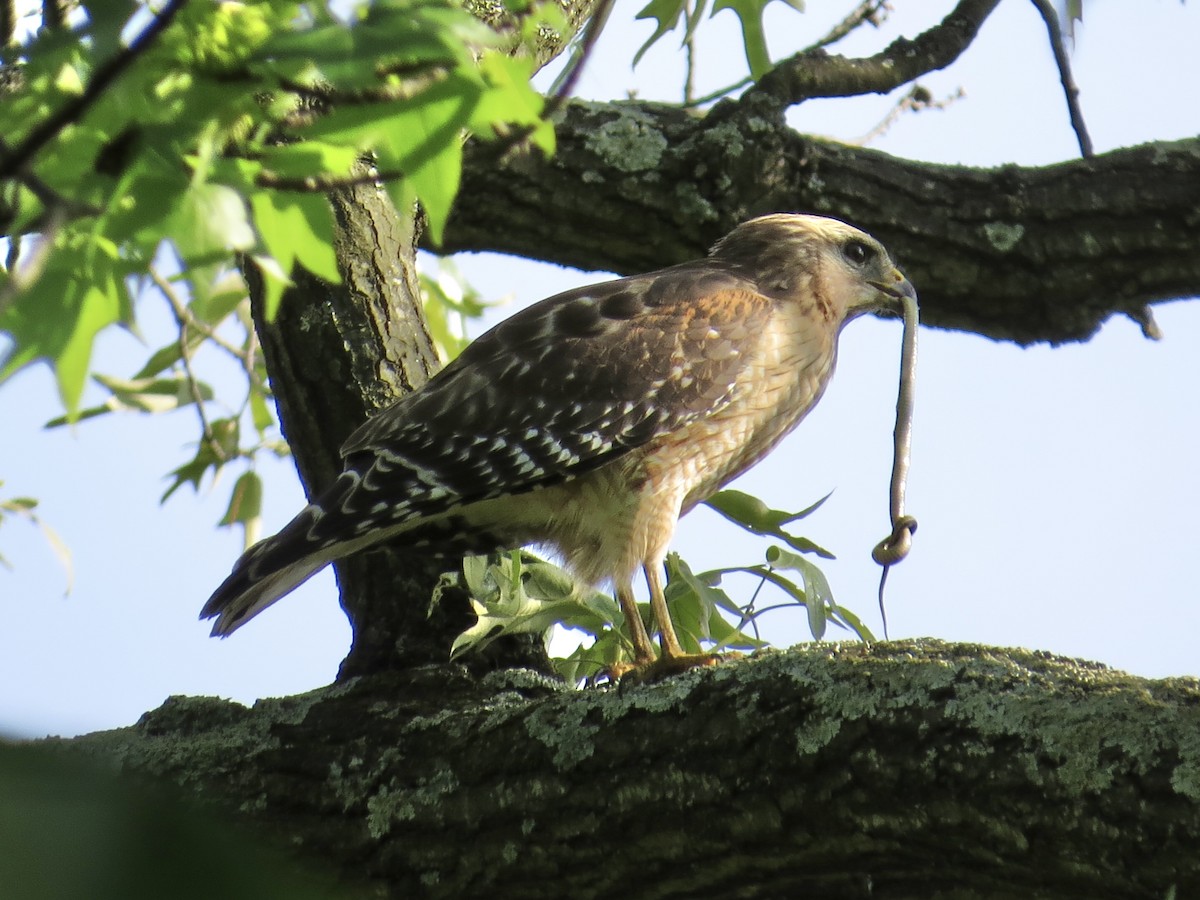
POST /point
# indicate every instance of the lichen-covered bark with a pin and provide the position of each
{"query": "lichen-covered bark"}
(907, 770)
(1023, 254)
(336, 354)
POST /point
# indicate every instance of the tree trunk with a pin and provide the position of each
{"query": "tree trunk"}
(906, 770)
(337, 354)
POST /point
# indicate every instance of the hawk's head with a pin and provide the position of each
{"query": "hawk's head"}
(845, 270)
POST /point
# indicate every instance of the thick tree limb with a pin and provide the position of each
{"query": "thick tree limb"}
(1024, 254)
(907, 770)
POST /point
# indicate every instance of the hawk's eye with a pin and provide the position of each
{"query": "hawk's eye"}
(857, 253)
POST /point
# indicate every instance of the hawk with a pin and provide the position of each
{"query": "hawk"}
(591, 421)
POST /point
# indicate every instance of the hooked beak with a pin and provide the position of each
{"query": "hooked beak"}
(894, 289)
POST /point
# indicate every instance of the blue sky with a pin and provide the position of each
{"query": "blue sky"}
(1056, 488)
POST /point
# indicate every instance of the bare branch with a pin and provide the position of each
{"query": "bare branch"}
(873, 11)
(918, 99)
(1070, 89)
(183, 318)
(1014, 253)
(565, 85)
(323, 184)
(814, 73)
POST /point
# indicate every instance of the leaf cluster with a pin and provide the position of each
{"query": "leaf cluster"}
(151, 156)
(217, 134)
(519, 593)
(667, 15)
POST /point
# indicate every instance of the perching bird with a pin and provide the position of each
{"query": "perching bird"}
(591, 421)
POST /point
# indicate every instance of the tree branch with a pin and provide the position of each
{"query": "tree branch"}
(1022, 254)
(814, 73)
(1070, 89)
(908, 770)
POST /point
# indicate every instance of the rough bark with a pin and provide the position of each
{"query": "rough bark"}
(907, 770)
(1023, 254)
(337, 354)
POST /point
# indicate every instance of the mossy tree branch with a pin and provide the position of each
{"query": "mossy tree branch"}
(908, 770)
(1015, 253)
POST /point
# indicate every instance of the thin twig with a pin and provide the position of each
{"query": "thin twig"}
(385, 93)
(323, 184)
(917, 99)
(49, 197)
(565, 85)
(867, 11)
(873, 11)
(243, 356)
(52, 14)
(689, 44)
(182, 319)
(48, 129)
(718, 94)
(8, 22)
(1070, 88)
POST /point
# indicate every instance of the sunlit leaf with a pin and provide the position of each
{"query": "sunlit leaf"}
(666, 13)
(212, 454)
(296, 226)
(148, 395)
(816, 586)
(58, 318)
(260, 412)
(245, 506)
(754, 39)
(210, 223)
(755, 516)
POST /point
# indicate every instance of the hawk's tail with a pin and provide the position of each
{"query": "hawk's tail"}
(269, 570)
(241, 597)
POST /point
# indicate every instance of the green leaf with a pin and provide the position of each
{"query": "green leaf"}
(816, 586)
(695, 601)
(275, 282)
(755, 516)
(666, 13)
(430, 154)
(245, 506)
(510, 99)
(260, 412)
(421, 137)
(509, 596)
(211, 454)
(750, 14)
(854, 623)
(99, 306)
(210, 224)
(24, 507)
(310, 158)
(297, 226)
(148, 395)
(58, 317)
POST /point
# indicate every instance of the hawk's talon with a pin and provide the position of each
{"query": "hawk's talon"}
(666, 666)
